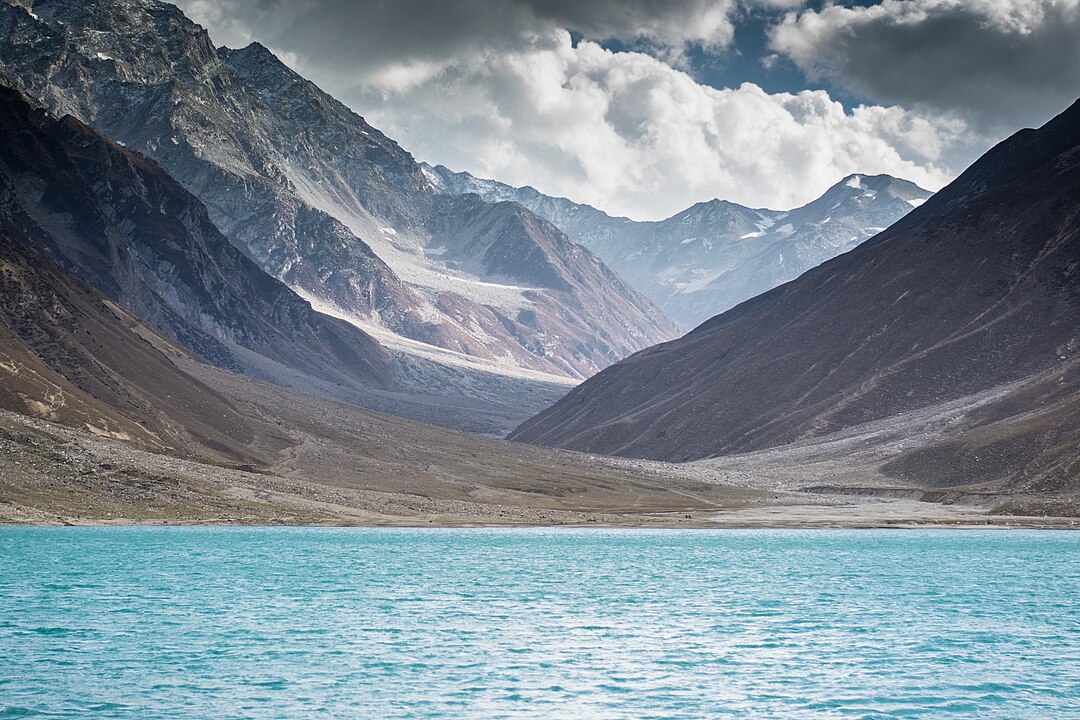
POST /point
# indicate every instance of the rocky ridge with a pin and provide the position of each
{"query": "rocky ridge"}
(713, 255)
(316, 196)
(114, 219)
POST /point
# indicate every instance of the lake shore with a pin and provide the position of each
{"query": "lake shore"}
(869, 516)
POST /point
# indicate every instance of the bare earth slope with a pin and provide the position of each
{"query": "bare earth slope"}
(978, 287)
(69, 355)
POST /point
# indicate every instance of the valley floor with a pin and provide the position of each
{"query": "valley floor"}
(336, 465)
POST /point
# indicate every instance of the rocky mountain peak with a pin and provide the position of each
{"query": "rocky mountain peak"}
(715, 253)
(323, 201)
(1021, 153)
(257, 65)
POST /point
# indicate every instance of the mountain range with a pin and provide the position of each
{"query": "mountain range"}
(713, 255)
(327, 204)
(93, 237)
(976, 291)
(180, 223)
(164, 437)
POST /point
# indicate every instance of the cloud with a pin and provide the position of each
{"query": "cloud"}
(375, 35)
(388, 39)
(632, 135)
(1001, 64)
(497, 87)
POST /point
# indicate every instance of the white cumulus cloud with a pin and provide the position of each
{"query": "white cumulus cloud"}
(632, 135)
(497, 87)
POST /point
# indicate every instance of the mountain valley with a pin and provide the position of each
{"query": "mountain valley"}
(330, 206)
(975, 291)
(227, 298)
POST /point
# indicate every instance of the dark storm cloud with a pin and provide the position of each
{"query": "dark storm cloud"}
(386, 32)
(1000, 64)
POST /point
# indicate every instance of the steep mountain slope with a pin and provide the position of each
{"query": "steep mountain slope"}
(714, 255)
(69, 355)
(117, 221)
(113, 218)
(977, 288)
(1028, 438)
(507, 242)
(311, 192)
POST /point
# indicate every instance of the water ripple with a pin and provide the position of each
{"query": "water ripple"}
(316, 623)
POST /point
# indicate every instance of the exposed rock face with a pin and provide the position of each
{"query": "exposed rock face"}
(316, 196)
(116, 220)
(714, 255)
(575, 309)
(977, 288)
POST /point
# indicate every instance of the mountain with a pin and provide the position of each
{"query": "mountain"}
(162, 437)
(323, 201)
(712, 256)
(165, 437)
(117, 221)
(70, 355)
(976, 291)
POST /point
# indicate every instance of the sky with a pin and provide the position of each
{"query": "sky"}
(644, 107)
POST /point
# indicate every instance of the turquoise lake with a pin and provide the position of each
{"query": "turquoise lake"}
(216, 623)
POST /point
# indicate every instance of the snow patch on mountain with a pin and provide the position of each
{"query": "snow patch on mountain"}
(714, 255)
(504, 365)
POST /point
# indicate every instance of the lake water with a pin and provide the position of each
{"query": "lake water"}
(205, 623)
